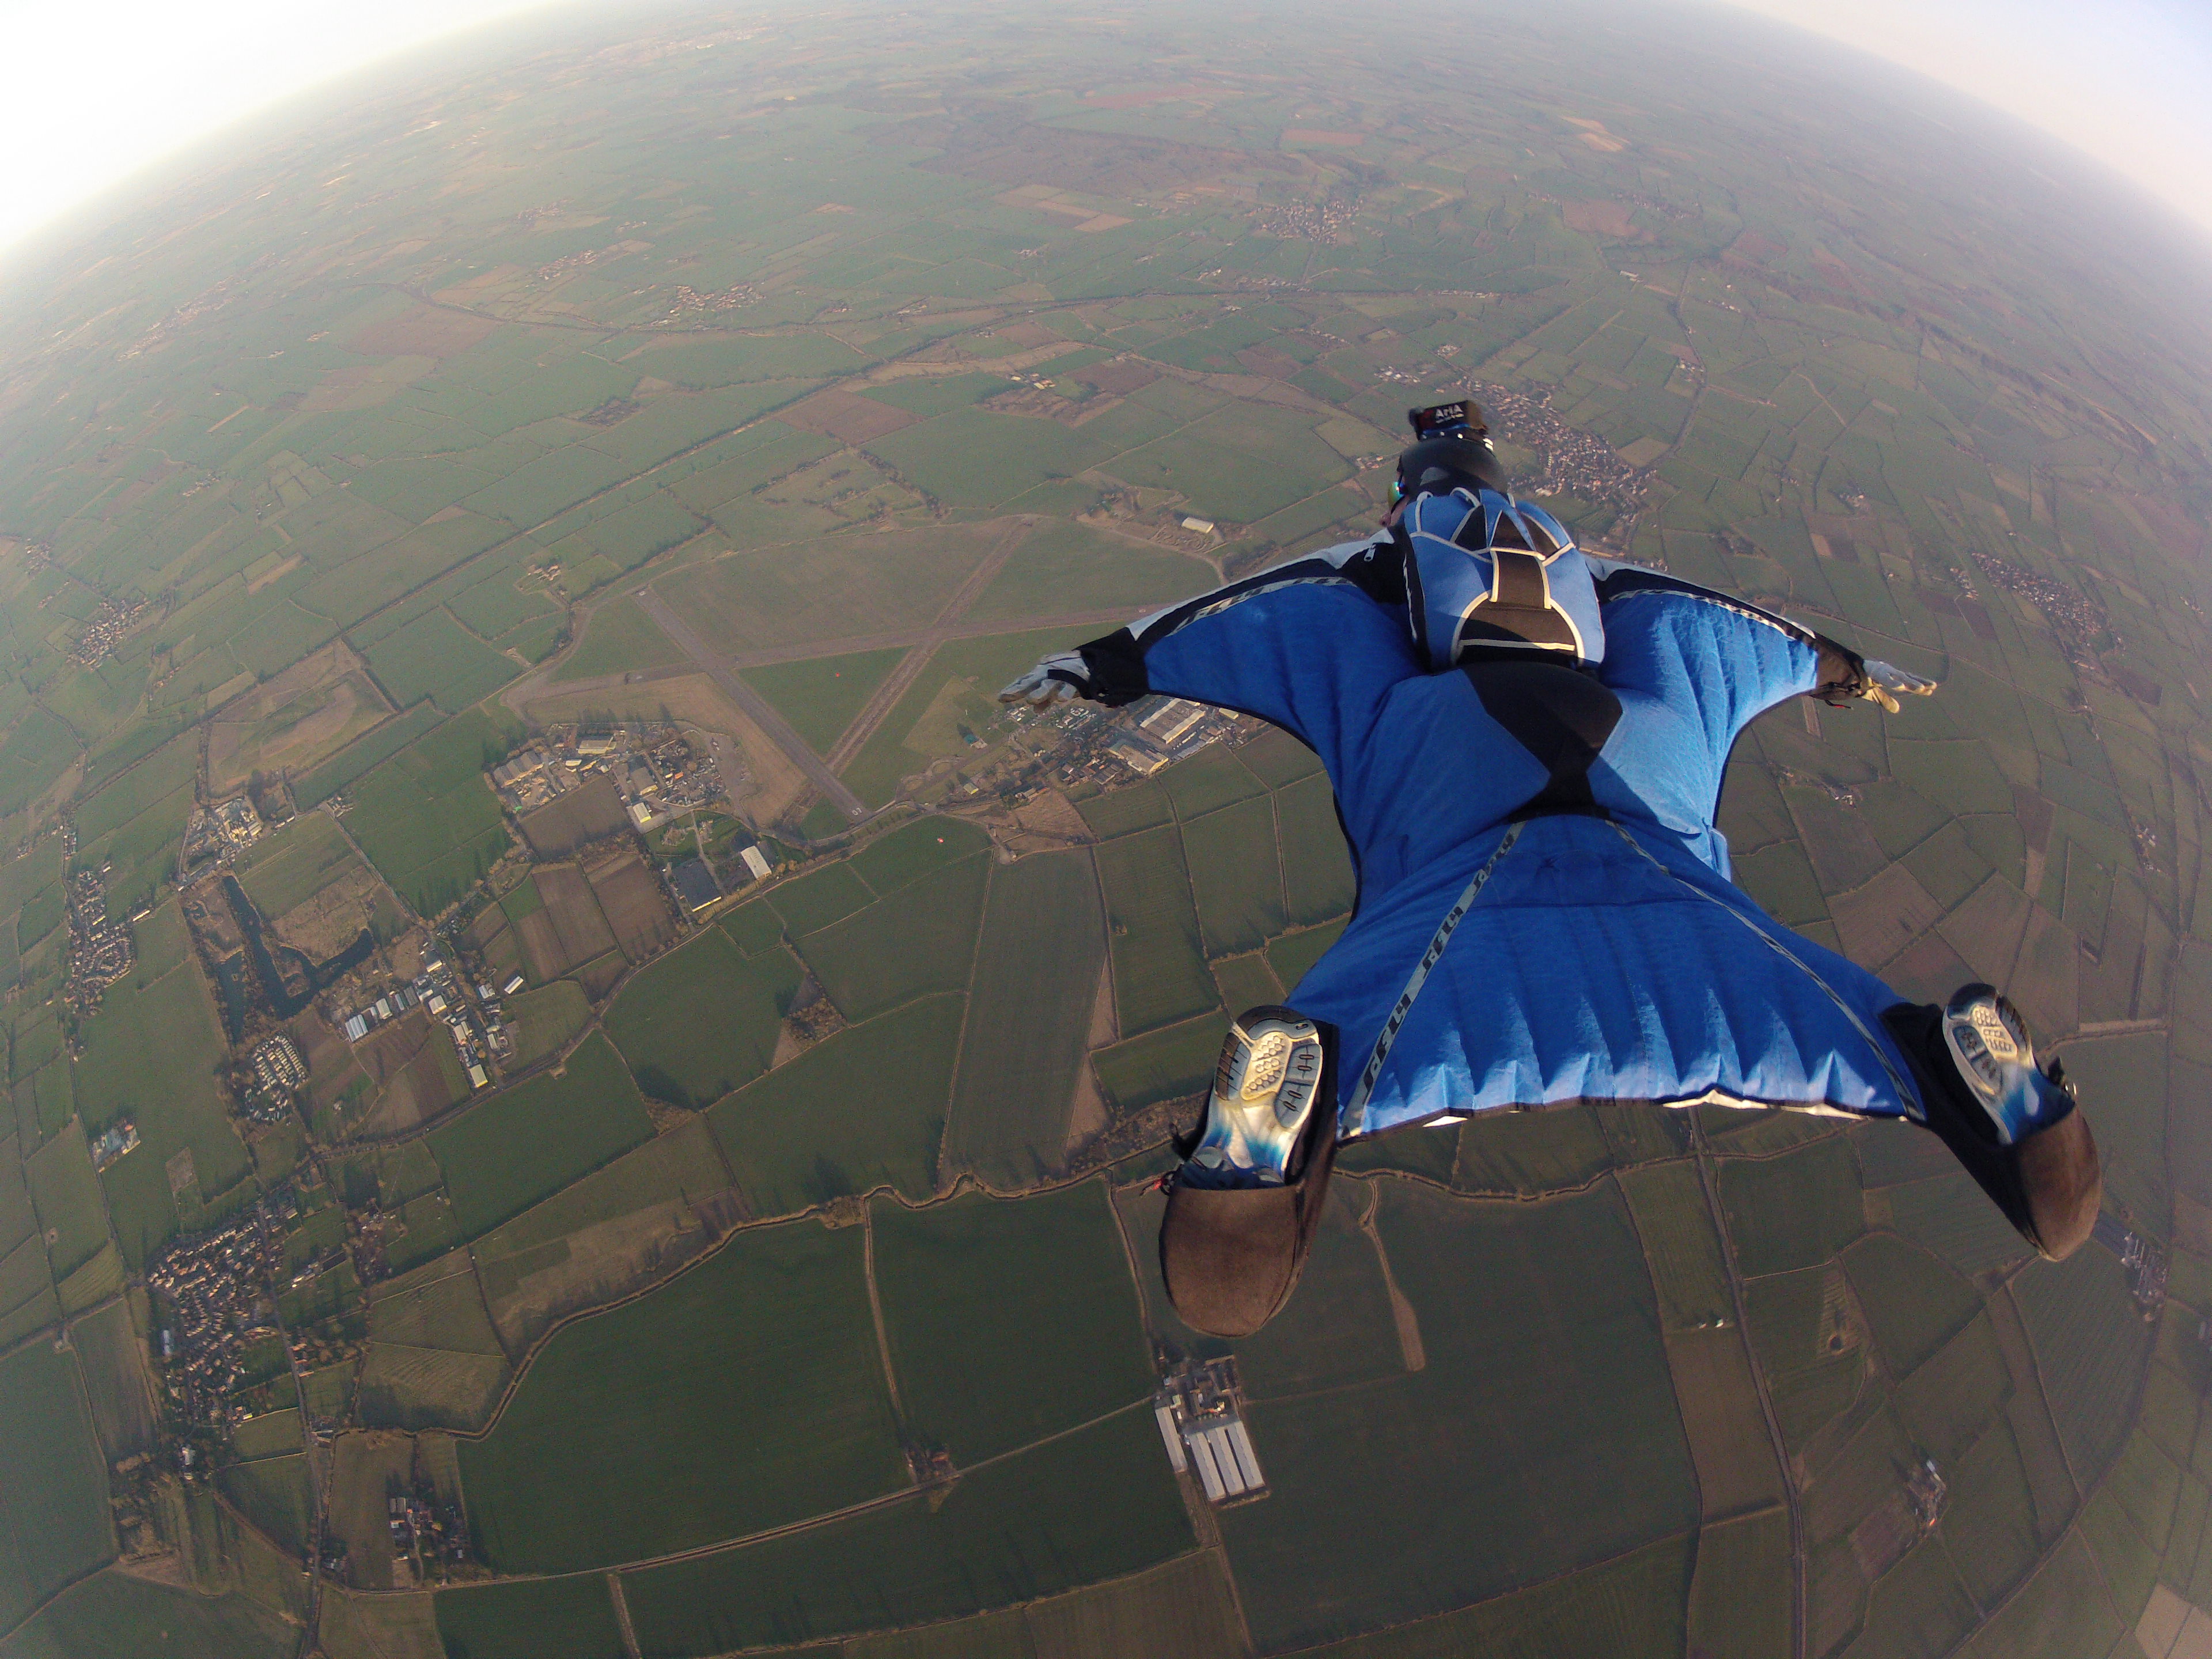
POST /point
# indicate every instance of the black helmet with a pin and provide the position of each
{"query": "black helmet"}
(1451, 451)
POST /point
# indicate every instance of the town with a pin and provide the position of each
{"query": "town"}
(100, 951)
(215, 1307)
(1576, 462)
(2076, 618)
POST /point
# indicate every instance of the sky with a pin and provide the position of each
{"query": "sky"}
(99, 91)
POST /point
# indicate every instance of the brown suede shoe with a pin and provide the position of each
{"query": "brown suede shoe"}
(1231, 1255)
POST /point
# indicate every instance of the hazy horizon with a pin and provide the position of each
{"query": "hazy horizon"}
(169, 81)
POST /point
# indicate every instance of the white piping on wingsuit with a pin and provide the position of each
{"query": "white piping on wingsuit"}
(1355, 1109)
(1335, 557)
(1788, 629)
(1905, 1091)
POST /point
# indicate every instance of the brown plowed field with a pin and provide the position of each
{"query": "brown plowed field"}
(582, 816)
(636, 906)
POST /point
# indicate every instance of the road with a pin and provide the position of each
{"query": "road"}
(718, 669)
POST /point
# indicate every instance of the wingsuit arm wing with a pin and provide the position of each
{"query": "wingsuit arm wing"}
(1817, 665)
(1311, 644)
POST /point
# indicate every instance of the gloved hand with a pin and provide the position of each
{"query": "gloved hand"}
(1060, 678)
(1886, 681)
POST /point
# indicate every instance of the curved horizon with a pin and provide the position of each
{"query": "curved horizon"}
(164, 81)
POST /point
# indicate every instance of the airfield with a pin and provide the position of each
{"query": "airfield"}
(786, 1284)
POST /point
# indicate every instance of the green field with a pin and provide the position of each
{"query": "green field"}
(1790, 1212)
(295, 864)
(2090, 1346)
(1317, 875)
(544, 1619)
(703, 1019)
(53, 1490)
(820, 897)
(1914, 1304)
(915, 850)
(921, 940)
(1062, 566)
(114, 1614)
(861, 1110)
(1675, 1226)
(66, 1194)
(1159, 959)
(546, 1019)
(637, 1220)
(637, 1432)
(529, 1141)
(149, 1054)
(434, 657)
(427, 819)
(1236, 876)
(273, 1494)
(1527, 1154)
(960, 1298)
(1036, 970)
(371, 750)
(1539, 1327)
(1163, 1065)
(1091, 1506)
(820, 696)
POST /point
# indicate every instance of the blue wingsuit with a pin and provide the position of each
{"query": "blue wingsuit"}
(1545, 909)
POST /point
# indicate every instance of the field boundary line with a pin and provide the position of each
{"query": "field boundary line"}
(876, 1307)
(1517, 1589)
(520, 1366)
(866, 1505)
(1708, 1180)
(621, 1616)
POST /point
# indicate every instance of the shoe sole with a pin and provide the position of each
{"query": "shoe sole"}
(1258, 1077)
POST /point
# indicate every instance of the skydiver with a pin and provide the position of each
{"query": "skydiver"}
(1527, 744)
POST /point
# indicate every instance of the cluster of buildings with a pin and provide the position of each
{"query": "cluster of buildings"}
(99, 951)
(568, 263)
(1576, 463)
(728, 299)
(1926, 1488)
(105, 631)
(1160, 731)
(653, 768)
(424, 1533)
(215, 1303)
(2076, 618)
(1315, 221)
(478, 1033)
(119, 1138)
(219, 831)
(279, 1073)
(1083, 742)
(2143, 1260)
(1200, 1415)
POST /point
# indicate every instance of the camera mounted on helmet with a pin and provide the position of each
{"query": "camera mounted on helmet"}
(1451, 451)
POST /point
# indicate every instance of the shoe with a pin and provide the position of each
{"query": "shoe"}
(1263, 1090)
(1243, 1208)
(1989, 1044)
(2013, 1123)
